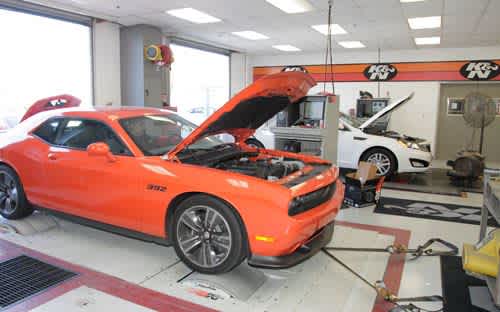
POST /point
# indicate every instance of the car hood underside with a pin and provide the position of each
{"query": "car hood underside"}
(251, 108)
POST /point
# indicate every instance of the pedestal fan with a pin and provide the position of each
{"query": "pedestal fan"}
(479, 113)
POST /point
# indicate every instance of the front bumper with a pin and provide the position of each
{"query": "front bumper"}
(415, 161)
(319, 240)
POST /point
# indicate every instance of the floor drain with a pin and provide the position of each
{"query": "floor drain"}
(23, 276)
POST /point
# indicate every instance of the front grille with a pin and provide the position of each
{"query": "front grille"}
(23, 276)
(310, 200)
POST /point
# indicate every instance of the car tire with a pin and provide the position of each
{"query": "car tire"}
(254, 143)
(208, 236)
(383, 159)
(13, 202)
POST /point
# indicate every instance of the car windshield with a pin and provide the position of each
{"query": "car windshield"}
(156, 135)
(351, 121)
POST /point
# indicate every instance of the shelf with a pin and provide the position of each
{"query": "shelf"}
(491, 205)
(298, 133)
(491, 199)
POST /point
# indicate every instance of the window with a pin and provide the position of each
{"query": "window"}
(40, 57)
(80, 134)
(156, 135)
(199, 82)
(48, 131)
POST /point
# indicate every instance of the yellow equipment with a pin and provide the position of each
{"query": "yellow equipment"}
(152, 52)
(483, 258)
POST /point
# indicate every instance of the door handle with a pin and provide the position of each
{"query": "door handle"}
(52, 156)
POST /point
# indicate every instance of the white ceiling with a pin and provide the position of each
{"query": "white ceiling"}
(377, 23)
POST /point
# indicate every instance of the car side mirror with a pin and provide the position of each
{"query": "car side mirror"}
(101, 149)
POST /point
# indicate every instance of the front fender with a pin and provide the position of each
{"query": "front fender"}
(254, 199)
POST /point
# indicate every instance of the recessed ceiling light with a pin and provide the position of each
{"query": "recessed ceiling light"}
(286, 48)
(336, 29)
(292, 6)
(425, 22)
(352, 44)
(250, 35)
(408, 1)
(428, 40)
(193, 16)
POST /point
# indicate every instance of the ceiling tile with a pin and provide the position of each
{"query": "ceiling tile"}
(377, 23)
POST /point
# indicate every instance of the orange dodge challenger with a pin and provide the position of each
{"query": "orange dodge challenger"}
(149, 174)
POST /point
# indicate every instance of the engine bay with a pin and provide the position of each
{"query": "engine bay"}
(230, 157)
(273, 168)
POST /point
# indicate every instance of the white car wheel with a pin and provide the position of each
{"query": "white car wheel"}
(382, 159)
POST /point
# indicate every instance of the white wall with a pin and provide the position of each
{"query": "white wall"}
(417, 117)
(238, 72)
(107, 86)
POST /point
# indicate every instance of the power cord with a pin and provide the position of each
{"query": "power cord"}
(329, 50)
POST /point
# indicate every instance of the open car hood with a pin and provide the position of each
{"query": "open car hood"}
(388, 109)
(251, 108)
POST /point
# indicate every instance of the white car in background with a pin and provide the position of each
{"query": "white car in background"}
(390, 151)
(197, 115)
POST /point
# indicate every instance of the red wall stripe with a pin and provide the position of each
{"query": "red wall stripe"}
(412, 71)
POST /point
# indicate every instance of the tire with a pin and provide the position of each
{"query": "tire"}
(195, 241)
(383, 159)
(254, 143)
(13, 202)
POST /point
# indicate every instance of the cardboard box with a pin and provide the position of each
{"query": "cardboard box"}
(366, 171)
(361, 185)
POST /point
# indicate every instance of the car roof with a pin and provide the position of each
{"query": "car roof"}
(99, 113)
(107, 112)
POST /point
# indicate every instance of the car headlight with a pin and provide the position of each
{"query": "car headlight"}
(410, 144)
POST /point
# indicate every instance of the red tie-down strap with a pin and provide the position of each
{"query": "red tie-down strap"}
(50, 103)
(380, 183)
(378, 190)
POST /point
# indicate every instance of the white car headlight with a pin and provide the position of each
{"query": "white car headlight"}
(412, 145)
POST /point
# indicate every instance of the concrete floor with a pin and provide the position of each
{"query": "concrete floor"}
(148, 271)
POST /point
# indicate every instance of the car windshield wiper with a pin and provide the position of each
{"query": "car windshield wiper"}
(213, 148)
(190, 152)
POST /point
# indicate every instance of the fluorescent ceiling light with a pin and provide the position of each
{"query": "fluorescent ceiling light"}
(352, 44)
(292, 6)
(250, 35)
(425, 22)
(336, 29)
(286, 48)
(428, 40)
(193, 15)
(408, 1)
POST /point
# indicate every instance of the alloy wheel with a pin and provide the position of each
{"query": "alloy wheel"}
(204, 236)
(8, 193)
(382, 162)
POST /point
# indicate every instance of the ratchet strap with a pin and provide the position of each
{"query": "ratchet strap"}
(421, 250)
(379, 286)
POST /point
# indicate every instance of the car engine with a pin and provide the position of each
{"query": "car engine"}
(269, 169)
